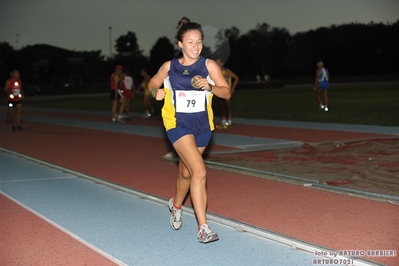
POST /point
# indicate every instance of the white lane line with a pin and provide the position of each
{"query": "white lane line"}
(66, 231)
(237, 225)
(36, 179)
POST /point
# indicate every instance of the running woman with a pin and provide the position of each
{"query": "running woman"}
(13, 89)
(322, 85)
(225, 104)
(189, 83)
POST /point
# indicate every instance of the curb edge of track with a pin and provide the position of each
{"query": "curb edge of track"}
(291, 242)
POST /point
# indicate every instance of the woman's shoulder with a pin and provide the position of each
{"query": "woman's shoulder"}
(210, 63)
(167, 64)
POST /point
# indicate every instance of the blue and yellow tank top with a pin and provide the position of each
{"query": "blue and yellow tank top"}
(227, 78)
(185, 104)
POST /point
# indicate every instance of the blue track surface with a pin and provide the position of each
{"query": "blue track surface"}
(130, 229)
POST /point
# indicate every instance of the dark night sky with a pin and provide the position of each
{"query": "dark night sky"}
(84, 24)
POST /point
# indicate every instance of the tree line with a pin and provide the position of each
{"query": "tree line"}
(351, 50)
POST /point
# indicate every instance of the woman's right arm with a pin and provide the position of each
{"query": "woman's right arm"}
(316, 82)
(157, 80)
(6, 87)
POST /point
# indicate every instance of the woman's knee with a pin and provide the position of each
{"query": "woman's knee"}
(185, 174)
(196, 173)
(199, 174)
(183, 171)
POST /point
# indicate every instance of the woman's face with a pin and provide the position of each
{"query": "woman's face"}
(15, 75)
(191, 45)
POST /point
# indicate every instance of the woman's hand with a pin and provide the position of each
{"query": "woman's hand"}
(202, 83)
(158, 94)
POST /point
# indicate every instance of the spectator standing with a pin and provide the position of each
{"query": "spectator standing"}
(322, 85)
(15, 94)
(225, 104)
(116, 95)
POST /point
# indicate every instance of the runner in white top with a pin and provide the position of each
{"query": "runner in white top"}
(129, 90)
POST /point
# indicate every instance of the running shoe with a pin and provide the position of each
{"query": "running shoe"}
(321, 107)
(147, 115)
(205, 234)
(176, 217)
(326, 108)
(220, 126)
(120, 120)
(223, 125)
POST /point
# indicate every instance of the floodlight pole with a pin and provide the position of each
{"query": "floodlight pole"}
(110, 41)
(16, 41)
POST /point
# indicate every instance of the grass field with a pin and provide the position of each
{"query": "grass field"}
(364, 104)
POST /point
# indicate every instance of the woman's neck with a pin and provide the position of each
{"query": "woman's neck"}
(185, 61)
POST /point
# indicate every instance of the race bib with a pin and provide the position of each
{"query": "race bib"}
(128, 83)
(190, 101)
(16, 92)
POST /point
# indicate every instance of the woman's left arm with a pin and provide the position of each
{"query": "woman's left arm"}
(234, 77)
(221, 88)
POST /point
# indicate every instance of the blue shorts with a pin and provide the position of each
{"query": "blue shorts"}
(323, 86)
(176, 133)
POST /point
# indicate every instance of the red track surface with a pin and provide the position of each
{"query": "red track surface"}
(298, 134)
(329, 219)
(28, 240)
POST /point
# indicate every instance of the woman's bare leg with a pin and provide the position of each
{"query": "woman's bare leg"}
(192, 176)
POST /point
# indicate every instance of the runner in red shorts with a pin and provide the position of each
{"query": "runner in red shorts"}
(13, 89)
(129, 90)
